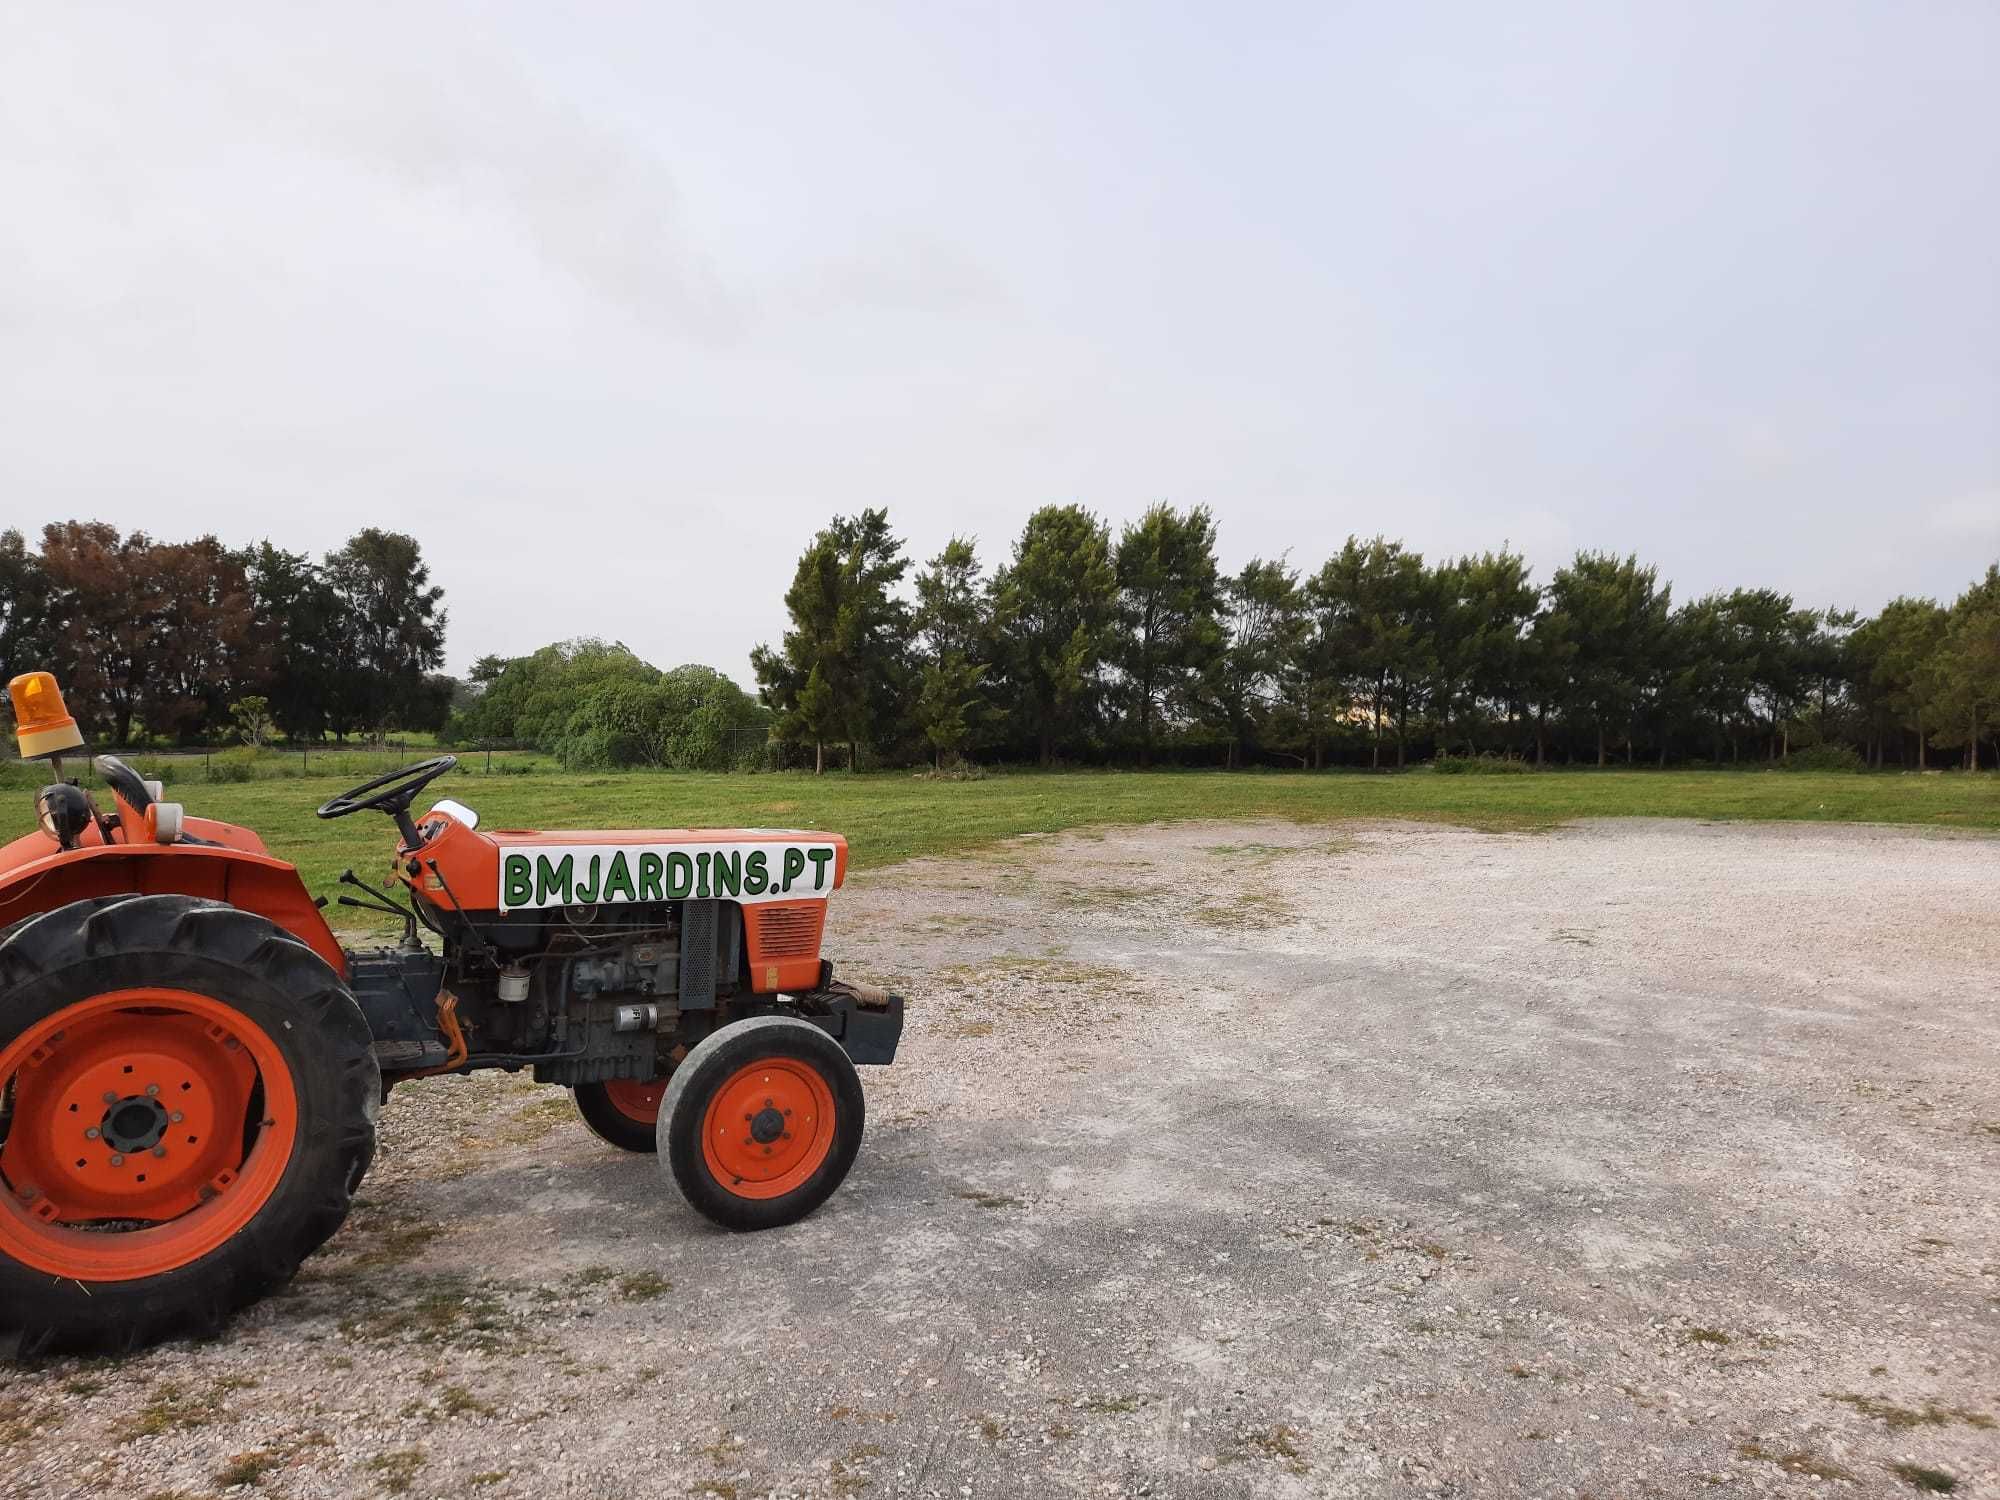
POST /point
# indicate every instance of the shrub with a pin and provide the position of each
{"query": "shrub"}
(234, 765)
(959, 770)
(1825, 758)
(1480, 765)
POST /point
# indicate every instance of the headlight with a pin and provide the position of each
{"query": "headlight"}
(64, 813)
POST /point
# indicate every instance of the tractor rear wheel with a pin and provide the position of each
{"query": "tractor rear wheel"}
(187, 1103)
(761, 1122)
(623, 1111)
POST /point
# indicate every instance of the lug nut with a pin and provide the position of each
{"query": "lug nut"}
(159, 1151)
(109, 1097)
(177, 1117)
(152, 1088)
(117, 1160)
(90, 1134)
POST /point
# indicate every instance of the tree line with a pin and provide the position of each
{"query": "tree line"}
(195, 642)
(1140, 647)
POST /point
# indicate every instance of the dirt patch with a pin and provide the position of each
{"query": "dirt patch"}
(1644, 1159)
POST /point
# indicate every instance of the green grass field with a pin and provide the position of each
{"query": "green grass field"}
(893, 816)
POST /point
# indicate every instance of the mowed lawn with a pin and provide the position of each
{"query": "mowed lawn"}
(891, 816)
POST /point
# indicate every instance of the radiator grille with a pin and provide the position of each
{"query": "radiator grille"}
(790, 931)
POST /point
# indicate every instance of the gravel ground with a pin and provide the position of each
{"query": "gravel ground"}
(1636, 1159)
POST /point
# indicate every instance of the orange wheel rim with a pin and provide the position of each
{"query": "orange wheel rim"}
(638, 1101)
(149, 1126)
(768, 1128)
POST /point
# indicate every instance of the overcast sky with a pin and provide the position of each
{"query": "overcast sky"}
(613, 305)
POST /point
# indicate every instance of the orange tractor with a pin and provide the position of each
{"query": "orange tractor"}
(191, 1066)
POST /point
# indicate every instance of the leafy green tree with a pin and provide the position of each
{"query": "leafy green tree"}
(1167, 628)
(1315, 685)
(1485, 641)
(953, 623)
(954, 615)
(841, 672)
(392, 634)
(948, 702)
(1964, 678)
(1616, 612)
(303, 622)
(1054, 608)
(1370, 601)
(1264, 619)
(1905, 646)
(251, 718)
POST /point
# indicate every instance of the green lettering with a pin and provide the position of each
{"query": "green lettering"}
(680, 876)
(795, 863)
(553, 880)
(517, 881)
(820, 859)
(728, 873)
(586, 895)
(618, 880)
(701, 874)
(649, 878)
(756, 873)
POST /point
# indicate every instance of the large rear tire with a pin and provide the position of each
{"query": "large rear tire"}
(761, 1122)
(624, 1112)
(189, 1099)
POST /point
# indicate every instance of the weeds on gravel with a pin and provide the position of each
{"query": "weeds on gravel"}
(643, 1286)
(1278, 1443)
(850, 1474)
(442, 1310)
(172, 1407)
(21, 1419)
(396, 1471)
(1922, 1477)
(249, 1468)
(1111, 1405)
(1902, 1418)
(536, 1120)
(1798, 1462)
(1252, 911)
(388, 1237)
(1714, 1337)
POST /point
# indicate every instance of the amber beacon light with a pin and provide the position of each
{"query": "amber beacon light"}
(42, 726)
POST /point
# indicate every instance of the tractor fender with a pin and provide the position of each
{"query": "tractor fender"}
(32, 881)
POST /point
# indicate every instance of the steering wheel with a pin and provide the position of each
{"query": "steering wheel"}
(391, 794)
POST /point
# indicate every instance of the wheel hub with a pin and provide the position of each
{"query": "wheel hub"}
(134, 1123)
(767, 1124)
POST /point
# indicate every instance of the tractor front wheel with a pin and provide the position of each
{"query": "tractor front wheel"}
(625, 1112)
(187, 1103)
(761, 1122)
